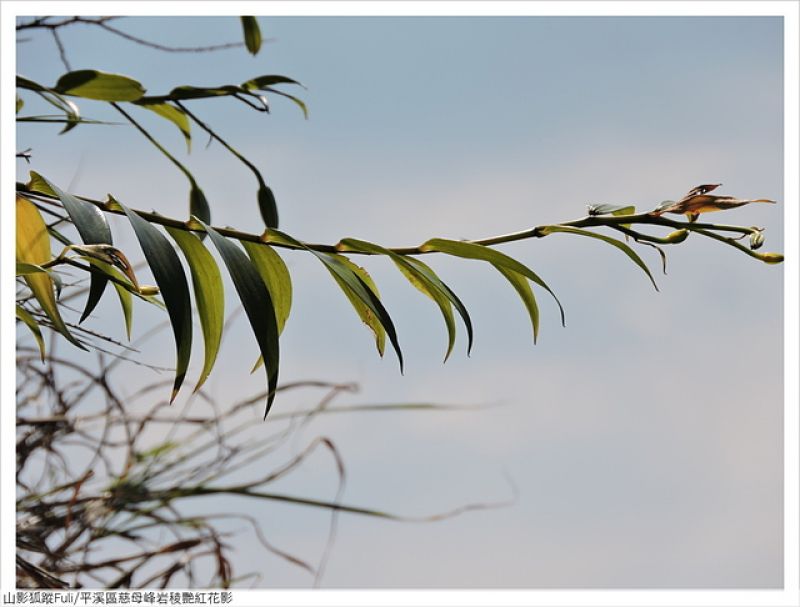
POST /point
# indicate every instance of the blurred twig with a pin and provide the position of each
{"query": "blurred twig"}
(101, 489)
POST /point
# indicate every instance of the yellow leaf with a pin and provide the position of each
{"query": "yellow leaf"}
(33, 247)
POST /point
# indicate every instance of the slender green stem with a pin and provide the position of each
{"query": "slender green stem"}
(641, 237)
(161, 148)
(648, 219)
(591, 221)
(229, 147)
(731, 242)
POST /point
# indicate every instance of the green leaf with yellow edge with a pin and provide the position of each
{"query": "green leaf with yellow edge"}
(257, 304)
(523, 288)
(31, 323)
(359, 288)
(252, 34)
(102, 86)
(33, 247)
(343, 271)
(612, 241)
(470, 250)
(209, 295)
(424, 279)
(424, 286)
(174, 114)
(276, 277)
(171, 280)
(426, 271)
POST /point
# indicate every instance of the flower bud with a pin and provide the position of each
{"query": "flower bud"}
(268, 206)
(677, 236)
(756, 240)
(198, 205)
(771, 257)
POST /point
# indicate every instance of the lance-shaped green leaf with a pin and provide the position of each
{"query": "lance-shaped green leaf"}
(471, 250)
(198, 92)
(296, 100)
(276, 277)
(424, 286)
(357, 286)
(102, 86)
(426, 271)
(523, 288)
(244, 93)
(612, 241)
(92, 227)
(426, 281)
(252, 34)
(126, 301)
(31, 323)
(20, 105)
(123, 292)
(33, 247)
(171, 280)
(266, 83)
(257, 304)
(209, 295)
(262, 82)
(174, 114)
(343, 271)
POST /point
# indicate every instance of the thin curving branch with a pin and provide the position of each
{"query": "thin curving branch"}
(161, 148)
(62, 52)
(102, 23)
(616, 222)
(227, 146)
(169, 49)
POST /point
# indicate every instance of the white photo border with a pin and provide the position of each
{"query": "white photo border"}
(788, 9)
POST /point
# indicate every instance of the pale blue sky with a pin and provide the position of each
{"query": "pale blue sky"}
(645, 438)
